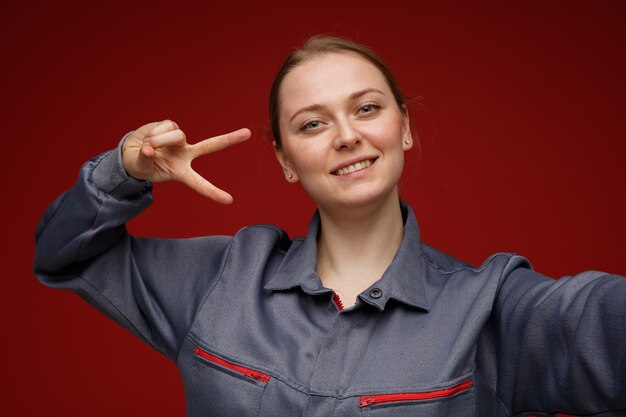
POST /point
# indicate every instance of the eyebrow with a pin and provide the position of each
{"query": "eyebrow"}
(353, 96)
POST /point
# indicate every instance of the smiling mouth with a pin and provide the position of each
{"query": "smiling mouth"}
(354, 167)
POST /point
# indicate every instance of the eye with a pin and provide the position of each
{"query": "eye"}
(368, 108)
(311, 125)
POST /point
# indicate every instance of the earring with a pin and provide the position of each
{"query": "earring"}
(408, 142)
(290, 176)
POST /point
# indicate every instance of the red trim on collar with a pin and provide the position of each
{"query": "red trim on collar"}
(338, 301)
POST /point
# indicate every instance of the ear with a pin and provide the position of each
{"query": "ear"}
(290, 173)
(407, 137)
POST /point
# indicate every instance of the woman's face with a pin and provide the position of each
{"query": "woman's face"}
(343, 134)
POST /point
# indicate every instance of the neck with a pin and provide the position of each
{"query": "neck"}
(356, 246)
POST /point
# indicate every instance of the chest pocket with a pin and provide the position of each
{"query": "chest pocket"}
(224, 387)
(456, 400)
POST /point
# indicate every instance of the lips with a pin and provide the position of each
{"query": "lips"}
(353, 167)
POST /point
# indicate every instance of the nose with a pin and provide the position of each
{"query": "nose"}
(346, 135)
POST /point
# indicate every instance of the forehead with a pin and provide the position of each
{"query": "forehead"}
(328, 78)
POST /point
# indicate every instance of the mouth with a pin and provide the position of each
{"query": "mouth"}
(358, 166)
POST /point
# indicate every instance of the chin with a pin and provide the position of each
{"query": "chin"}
(360, 198)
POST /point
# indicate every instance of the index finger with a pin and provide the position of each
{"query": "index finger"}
(218, 143)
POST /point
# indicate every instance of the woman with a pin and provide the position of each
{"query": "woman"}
(358, 317)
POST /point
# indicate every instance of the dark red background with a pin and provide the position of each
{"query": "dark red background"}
(520, 108)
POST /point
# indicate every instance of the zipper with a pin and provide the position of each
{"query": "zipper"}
(367, 400)
(250, 373)
(338, 301)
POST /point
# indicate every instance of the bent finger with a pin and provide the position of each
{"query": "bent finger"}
(162, 127)
(170, 138)
(218, 143)
(203, 187)
(145, 129)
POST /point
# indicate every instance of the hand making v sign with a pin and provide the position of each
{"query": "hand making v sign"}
(159, 152)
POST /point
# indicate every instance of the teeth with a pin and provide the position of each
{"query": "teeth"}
(355, 167)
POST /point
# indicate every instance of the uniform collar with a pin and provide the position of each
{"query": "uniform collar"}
(402, 281)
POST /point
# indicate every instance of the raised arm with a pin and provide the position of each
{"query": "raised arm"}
(150, 286)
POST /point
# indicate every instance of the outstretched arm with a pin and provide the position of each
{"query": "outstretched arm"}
(562, 343)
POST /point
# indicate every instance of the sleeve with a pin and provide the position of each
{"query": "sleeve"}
(152, 287)
(562, 343)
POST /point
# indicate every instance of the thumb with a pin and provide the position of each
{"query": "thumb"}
(145, 160)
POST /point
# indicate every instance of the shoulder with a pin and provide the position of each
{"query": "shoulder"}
(498, 265)
(458, 282)
(262, 238)
(249, 241)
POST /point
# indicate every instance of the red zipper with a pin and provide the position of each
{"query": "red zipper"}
(250, 373)
(367, 400)
(338, 301)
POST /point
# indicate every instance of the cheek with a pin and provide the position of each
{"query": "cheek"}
(386, 135)
(306, 158)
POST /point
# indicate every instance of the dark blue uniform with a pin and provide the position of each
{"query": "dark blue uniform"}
(255, 333)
